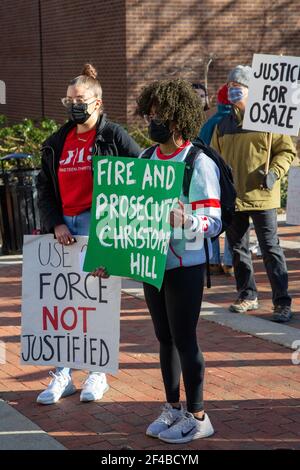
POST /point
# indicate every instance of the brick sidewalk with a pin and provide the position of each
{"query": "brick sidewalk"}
(252, 388)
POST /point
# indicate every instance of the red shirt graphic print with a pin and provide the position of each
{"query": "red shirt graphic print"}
(75, 176)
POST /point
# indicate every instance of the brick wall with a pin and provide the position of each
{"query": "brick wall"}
(20, 58)
(176, 37)
(78, 31)
(73, 32)
(132, 42)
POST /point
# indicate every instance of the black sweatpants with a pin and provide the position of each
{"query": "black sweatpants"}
(175, 311)
(265, 225)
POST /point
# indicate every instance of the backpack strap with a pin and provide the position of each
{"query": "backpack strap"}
(149, 152)
(209, 151)
(189, 164)
(189, 168)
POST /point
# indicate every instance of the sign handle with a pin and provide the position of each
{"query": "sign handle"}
(267, 164)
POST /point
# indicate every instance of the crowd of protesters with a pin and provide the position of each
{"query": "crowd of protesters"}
(174, 113)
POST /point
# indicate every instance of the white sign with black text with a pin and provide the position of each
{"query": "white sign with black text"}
(69, 318)
(274, 95)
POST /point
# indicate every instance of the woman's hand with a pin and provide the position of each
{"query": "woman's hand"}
(100, 272)
(178, 218)
(63, 235)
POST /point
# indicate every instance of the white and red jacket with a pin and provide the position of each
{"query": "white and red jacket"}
(187, 247)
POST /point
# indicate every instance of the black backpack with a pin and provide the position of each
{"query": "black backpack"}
(228, 192)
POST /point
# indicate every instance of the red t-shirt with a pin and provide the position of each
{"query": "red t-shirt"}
(75, 172)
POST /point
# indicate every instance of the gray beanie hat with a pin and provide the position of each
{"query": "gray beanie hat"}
(240, 74)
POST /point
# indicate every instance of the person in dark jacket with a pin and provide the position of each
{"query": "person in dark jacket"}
(65, 186)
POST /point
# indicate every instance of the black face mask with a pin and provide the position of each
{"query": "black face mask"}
(159, 133)
(78, 113)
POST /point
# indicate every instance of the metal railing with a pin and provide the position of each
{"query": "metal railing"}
(18, 204)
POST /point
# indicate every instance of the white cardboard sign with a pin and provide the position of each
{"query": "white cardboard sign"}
(274, 95)
(69, 318)
(293, 198)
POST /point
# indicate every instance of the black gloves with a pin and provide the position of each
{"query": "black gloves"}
(268, 180)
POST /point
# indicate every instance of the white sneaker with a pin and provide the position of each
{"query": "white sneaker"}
(166, 419)
(187, 429)
(60, 386)
(94, 387)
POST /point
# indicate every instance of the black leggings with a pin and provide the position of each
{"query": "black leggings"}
(175, 311)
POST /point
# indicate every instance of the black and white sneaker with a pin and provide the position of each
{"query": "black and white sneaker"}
(187, 429)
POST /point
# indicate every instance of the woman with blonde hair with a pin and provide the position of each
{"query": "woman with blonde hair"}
(65, 186)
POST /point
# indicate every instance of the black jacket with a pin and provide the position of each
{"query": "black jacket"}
(111, 139)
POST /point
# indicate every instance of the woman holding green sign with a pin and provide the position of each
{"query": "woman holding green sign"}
(174, 115)
(65, 186)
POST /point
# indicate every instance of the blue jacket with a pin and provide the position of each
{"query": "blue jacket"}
(207, 130)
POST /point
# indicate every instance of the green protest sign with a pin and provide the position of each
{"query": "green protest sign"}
(130, 230)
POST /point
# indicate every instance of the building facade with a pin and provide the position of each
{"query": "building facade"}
(44, 44)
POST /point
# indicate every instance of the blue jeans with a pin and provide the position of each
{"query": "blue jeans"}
(216, 257)
(78, 225)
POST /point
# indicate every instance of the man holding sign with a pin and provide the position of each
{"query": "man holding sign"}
(258, 163)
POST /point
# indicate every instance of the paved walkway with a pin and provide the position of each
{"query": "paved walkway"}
(223, 288)
(252, 386)
(17, 431)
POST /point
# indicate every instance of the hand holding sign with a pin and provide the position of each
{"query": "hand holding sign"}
(70, 319)
(178, 217)
(130, 228)
(100, 272)
(63, 235)
(269, 180)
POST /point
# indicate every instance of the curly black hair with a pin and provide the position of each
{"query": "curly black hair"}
(174, 100)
